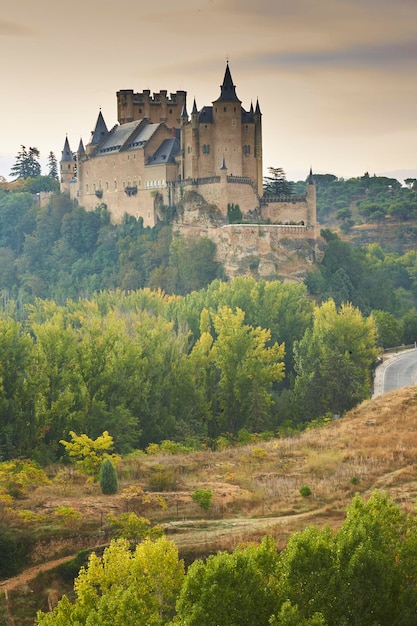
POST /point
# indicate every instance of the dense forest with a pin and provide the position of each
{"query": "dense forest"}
(135, 331)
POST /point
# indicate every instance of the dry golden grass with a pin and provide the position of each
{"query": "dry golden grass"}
(257, 487)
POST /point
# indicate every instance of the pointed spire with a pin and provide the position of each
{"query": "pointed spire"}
(81, 149)
(195, 110)
(224, 167)
(228, 89)
(66, 152)
(100, 130)
(184, 113)
(258, 108)
(251, 108)
(310, 179)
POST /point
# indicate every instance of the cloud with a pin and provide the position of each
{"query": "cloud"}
(11, 29)
(399, 54)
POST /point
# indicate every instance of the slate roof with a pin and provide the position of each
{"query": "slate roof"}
(100, 130)
(129, 136)
(206, 115)
(66, 152)
(166, 152)
(228, 89)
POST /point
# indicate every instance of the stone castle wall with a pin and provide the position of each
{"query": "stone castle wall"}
(263, 251)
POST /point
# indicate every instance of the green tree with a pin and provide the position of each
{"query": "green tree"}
(276, 183)
(360, 575)
(52, 166)
(131, 588)
(27, 164)
(246, 369)
(389, 330)
(230, 589)
(108, 478)
(333, 361)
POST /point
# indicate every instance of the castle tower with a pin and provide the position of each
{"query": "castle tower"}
(183, 123)
(311, 198)
(257, 116)
(195, 142)
(97, 135)
(158, 107)
(67, 166)
(227, 120)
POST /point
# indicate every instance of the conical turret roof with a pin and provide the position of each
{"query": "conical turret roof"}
(100, 130)
(66, 152)
(228, 89)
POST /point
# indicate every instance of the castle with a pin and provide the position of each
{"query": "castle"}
(158, 155)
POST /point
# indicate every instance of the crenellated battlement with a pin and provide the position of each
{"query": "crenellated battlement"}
(158, 107)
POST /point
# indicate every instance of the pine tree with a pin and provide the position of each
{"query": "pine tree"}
(108, 478)
(52, 166)
(27, 164)
(276, 183)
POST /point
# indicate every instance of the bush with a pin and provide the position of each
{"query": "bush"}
(203, 497)
(305, 491)
(108, 478)
(162, 479)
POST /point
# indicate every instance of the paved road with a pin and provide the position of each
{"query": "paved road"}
(399, 370)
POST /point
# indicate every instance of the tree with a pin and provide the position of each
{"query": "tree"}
(131, 588)
(26, 164)
(389, 330)
(88, 453)
(246, 369)
(333, 361)
(230, 589)
(363, 574)
(108, 478)
(276, 183)
(52, 166)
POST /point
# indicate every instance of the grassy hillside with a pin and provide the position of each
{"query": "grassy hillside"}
(256, 491)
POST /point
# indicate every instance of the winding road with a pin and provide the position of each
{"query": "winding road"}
(399, 370)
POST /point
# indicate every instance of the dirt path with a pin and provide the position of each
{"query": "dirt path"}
(29, 574)
(185, 534)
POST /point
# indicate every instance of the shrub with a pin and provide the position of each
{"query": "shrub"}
(162, 479)
(108, 478)
(203, 497)
(305, 491)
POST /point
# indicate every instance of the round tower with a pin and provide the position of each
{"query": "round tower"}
(67, 166)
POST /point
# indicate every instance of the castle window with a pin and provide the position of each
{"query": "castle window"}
(246, 149)
(86, 188)
(115, 185)
(234, 109)
(107, 186)
(170, 110)
(206, 149)
(225, 109)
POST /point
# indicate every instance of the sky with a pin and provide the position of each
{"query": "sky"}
(335, 79)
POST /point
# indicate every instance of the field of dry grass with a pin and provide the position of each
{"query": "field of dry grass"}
(256, 488)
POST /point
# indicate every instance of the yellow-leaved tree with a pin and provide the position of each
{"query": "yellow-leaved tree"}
(136, 588)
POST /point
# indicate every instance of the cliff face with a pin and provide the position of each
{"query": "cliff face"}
(261, 251)
(269, 251)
